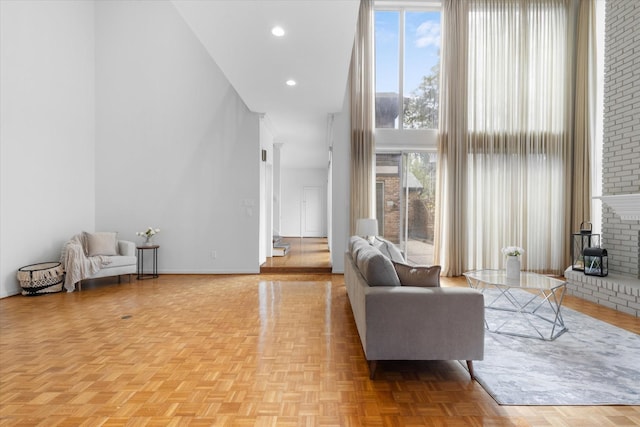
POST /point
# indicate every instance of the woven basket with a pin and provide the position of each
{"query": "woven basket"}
(44, 278)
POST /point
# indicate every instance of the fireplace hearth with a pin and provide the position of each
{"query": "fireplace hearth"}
(615, 291)
(619, 290)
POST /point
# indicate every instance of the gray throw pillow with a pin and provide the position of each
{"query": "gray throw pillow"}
(358, 244)
(376, 268)
(388, 249)
(355, 240)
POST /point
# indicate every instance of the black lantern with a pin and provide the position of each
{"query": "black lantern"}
(579, 242)
(596, 262)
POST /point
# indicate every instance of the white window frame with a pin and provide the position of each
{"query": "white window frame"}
(405, 139)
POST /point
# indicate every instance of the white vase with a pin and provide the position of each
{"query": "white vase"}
(513, 267)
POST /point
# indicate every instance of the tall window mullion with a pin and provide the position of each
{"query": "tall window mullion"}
(401, 66)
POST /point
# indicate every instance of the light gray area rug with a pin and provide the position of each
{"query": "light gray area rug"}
(593, 363)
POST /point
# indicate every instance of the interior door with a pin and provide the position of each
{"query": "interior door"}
(312, 212)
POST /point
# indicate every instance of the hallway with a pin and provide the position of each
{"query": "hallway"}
(307, 255)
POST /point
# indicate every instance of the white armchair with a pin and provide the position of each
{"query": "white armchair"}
(94, 255)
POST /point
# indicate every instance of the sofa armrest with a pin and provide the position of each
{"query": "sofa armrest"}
(72, 249)
(405, 322)
(126, 248)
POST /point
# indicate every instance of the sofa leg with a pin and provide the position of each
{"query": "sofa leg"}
(470, 366)
(373, 365)
(129, 277)
(79, 285)
(119, 278)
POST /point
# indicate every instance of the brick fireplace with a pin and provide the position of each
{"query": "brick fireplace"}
(620, 167)
(619, 290)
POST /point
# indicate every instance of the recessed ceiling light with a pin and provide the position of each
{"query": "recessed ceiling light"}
(277, 31)
(291, 82)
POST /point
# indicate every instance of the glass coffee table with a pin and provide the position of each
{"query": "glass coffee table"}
(527, 307)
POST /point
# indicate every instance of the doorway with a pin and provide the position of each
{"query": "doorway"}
(405, 202)
(302, 244)
(312, 212)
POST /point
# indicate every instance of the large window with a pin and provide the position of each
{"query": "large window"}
(407, 69)
(407, 61)
(407, 50)
(515, 92)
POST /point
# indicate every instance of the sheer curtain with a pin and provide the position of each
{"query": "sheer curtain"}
(585, 109)
(362, 118)
(450, 230)
(507, 161)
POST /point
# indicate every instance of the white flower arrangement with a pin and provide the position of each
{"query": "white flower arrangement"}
(148, 233)
(512, 251)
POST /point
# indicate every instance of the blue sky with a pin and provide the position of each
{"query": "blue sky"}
(422, 45)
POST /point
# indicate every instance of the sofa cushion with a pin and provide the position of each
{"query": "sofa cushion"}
(101, 243)
(376, 268)
(119, 261)
(352, 241)
(388, 249)
(361, 255)
(423, 276)
(355, 244)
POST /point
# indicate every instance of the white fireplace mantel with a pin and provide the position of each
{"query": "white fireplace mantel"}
(627, 206)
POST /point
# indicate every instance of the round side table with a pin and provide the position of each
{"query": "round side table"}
(154, 254)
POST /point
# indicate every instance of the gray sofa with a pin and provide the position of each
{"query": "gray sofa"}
(397, 322)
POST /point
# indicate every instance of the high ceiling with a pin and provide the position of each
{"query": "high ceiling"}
(315, 52)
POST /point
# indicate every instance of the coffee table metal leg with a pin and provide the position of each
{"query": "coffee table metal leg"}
(552, 299)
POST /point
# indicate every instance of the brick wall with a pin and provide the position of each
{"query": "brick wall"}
(391, 204)
(621, 149)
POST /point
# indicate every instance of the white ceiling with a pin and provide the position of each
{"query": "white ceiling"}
(315, 51)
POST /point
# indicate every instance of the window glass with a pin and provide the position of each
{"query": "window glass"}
(387, 53)
(421, 69)
(407, 52)
(405, 202)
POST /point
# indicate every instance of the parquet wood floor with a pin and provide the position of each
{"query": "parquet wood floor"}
(306, 255)
(228, 350)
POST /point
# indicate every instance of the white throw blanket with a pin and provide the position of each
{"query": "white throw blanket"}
(77, 265)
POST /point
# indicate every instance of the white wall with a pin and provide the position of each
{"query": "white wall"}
(176, 148)
(266, 191)
(340, 187)
(115, 118)
(277, 189)
(293, 181)
(47, 103)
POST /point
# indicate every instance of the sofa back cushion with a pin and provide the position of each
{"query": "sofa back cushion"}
(355, 243)
(376, 268)
(388, 249)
